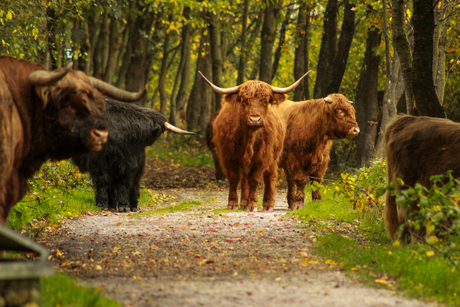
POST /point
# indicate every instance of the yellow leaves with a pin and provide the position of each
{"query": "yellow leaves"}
(396, 243)
(118, 223)
(430, 254)
(354, 269)
(98, 268)
(259, 231)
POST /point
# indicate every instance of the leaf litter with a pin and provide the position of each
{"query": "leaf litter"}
(200, 258)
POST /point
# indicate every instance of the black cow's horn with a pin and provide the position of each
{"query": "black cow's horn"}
(286, 90)
(174, 129)
(44, 78)
(220, 90)
(116, 93)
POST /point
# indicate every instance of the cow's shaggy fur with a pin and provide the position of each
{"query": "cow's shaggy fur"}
(312, 126)
(416, 149)
(246, 151)
(117, 169)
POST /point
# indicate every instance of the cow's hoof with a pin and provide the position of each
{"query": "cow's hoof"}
(123, 209)
(268, 209)
(251, 209)
(133, 209)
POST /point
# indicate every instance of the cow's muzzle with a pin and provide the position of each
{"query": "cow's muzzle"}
(98, 139)
(255, 121)
(353, 131)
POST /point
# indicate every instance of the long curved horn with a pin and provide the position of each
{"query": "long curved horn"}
(174, 129)
(286, 90)
(44, 78)
(116, 93)
(220, 90)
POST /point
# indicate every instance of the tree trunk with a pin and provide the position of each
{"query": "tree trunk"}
(199, 106)
(402, 46)
(339, 63)
(101, 52)
(163, 71)
(392, 73)
(366, 100)
(328, 49)
(115, 42)
(281, 40)
(216, 56)
(184, 65)
(427, 102)
(242, 59)
(51, 26)
(128, 38)
(301, 52)
(268, 36)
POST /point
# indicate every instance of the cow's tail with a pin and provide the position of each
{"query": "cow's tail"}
(391, 210)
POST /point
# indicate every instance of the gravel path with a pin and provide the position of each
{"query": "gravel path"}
(198, 257)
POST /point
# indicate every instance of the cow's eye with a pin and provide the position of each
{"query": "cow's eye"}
(340, 113)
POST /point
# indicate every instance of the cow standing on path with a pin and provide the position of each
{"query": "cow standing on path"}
(248, 134)
(312, 126)
(47, 116)
(117, 169)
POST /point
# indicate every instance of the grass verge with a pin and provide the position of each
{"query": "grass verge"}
(357, 240)
(61, 290)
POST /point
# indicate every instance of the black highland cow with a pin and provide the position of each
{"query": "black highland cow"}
(117, 169)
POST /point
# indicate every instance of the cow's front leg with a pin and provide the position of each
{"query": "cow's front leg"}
(253, 182)
(102, 196)
(270, 177)
(244, 192)
(300, 182)
(233, 181)
(122, 188)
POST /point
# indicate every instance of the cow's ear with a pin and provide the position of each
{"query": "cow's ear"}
(277, 98)
(44, 93)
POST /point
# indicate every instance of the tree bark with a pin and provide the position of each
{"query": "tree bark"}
(163, 70)
(402, 46)
(185, 61)
(366, 100)
(328, 49)
(51, 25)
(216, 56)
(281, 40)
(339, 63)
(242, 58)
(128, 38)
(301, 92)
(199, 106)
(115, 42)
(426, 100)
(101, 51)
(389, 97)
(268, 36)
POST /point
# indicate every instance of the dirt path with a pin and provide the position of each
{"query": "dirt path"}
(200, 258)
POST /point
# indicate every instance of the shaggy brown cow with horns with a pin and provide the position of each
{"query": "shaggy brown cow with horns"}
(47, 115)
(312, 126)
(248, 135)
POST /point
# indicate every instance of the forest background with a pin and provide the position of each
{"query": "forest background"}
(389, 58)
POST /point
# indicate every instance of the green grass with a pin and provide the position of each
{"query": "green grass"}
(53, 206)
(183, 150)
(183, 206)
(61, 290)
(365, 252)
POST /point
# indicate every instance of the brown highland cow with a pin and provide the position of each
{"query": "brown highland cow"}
(416, 149)
(312, 126)
(47, 115)
(248, 135)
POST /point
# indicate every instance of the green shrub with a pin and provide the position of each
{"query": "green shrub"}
(438, 213)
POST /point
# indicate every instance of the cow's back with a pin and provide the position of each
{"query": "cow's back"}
(420, 147)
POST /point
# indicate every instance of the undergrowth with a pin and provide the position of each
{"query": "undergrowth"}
(349, 230)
